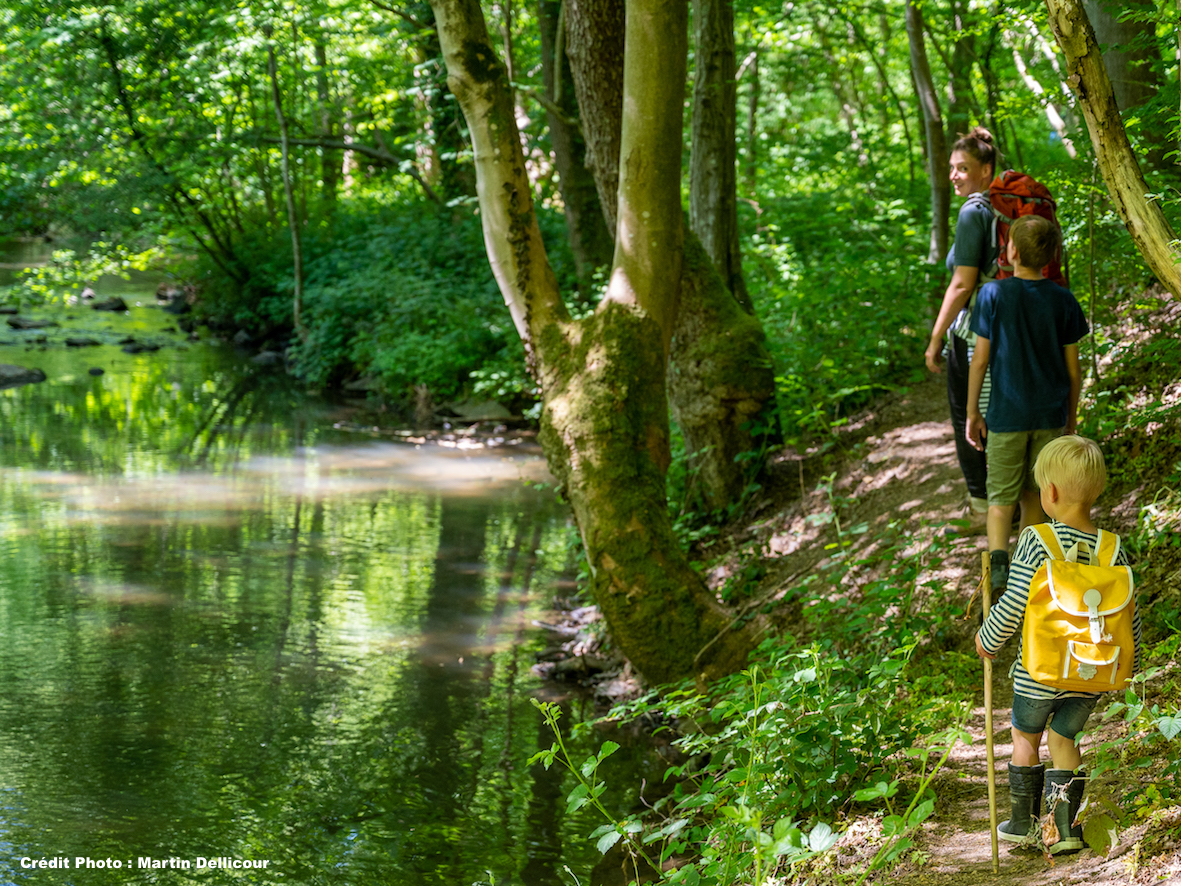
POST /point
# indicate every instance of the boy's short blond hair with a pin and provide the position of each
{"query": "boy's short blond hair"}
(1075, 465)
(1036, 239)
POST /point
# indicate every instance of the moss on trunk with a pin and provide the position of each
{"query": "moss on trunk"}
(605, 433)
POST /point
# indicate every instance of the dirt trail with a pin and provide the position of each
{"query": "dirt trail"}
(899, 466)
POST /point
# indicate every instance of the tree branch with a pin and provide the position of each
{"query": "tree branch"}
(357, 147)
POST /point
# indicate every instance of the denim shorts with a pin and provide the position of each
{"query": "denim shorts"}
(1069, 713)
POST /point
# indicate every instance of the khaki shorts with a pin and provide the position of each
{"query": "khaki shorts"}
(1010, 462)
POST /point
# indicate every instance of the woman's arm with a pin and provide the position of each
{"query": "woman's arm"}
(959, 290)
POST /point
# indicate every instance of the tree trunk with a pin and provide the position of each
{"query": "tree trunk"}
(713, 153)
(1129, 49)
(1121, 173)
(329, 158)
(932, 134)
(586, 227)
(718, 370)
(752, 124)
(959, 86)
(594, 45)
(604, 418)
(292, 215)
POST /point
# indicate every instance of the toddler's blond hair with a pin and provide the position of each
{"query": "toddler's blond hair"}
(1075, 465)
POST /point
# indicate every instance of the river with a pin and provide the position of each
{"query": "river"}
(236, 628)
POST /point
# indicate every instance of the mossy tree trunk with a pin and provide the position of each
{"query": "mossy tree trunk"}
(721, 376)
(1125, 182)
(605, 410)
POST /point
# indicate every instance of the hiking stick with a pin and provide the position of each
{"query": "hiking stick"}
(987, 592)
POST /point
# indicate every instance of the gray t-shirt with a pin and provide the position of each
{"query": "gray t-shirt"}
(974, 247)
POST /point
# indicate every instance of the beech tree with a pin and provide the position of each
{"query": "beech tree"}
(604, 423)
(1121, 172)
(721, 377)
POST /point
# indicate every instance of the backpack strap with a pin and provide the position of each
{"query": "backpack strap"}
(1108, 548)
(984, 198)
(1049, 540)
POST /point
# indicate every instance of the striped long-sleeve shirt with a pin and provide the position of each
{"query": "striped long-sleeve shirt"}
(1004, 619)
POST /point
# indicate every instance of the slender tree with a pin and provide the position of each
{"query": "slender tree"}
(605, 412)
(713, 150)
(1121, 172)
(932, 134)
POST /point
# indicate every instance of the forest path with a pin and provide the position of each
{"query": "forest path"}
(897, 464)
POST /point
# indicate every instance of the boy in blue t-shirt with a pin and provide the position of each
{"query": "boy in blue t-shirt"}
(1027, 332)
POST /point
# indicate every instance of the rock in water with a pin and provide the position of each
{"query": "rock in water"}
(14, 376)
(96, 370)
(111, 304)
(74, 342)
(26, 323)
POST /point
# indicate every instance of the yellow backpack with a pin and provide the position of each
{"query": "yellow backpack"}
(1077, 635)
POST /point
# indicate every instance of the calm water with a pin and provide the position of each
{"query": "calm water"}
(229, 630)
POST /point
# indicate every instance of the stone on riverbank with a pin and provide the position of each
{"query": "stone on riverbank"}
(14, 376)
(27, 323)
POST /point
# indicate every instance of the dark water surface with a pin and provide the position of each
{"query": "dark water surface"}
(229, 630)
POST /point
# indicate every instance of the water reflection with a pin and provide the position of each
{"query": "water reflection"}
(229, 630)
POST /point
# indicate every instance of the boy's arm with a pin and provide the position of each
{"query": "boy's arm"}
(977, 430)
(1070, 352)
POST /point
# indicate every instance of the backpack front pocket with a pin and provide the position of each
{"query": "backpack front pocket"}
(1097, 664)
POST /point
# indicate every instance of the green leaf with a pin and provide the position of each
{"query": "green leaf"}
(881, 789)
(1170, 727)
(821, 838)
(608, 840)
(576, 799)
(608, 748)
(920, 813)
(1100, 833)
(891, 825)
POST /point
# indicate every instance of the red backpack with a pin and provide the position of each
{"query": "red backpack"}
(1011, 195)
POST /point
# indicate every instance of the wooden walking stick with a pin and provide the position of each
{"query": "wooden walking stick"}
(987, 594)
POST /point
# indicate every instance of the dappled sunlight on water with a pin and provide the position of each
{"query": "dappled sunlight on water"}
(228, 628)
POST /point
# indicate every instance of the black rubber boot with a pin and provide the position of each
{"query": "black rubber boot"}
(1025, 797)
(1064, 795)
(999, 568)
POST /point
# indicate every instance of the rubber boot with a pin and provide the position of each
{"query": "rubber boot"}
(1064, 795)
(1025, 797)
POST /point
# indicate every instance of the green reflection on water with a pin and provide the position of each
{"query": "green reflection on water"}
(227, 629)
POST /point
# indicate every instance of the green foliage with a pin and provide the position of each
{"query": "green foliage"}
(66, 273)
(402, 294)
(844, 298)
(1137, 770)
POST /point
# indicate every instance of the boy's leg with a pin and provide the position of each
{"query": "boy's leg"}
(1006, 481)
(1070, 718)
(1026, 747)
(1031, 509)
(1064, 753)
(1000, 525)
(1026, 774)
(1066, 782)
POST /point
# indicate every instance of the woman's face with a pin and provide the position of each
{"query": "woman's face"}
(968, 175)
